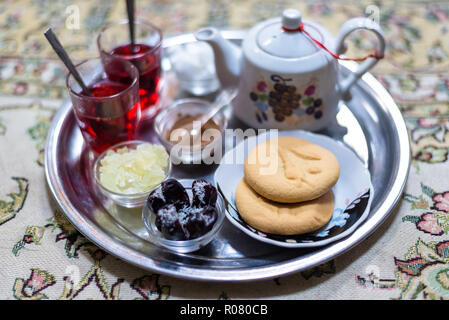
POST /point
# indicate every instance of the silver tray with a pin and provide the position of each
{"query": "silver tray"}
(375, 130)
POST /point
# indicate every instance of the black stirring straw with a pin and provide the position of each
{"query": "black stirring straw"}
(57, 46)
(130, 11)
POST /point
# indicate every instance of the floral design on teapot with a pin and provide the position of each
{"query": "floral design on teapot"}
(280, 99)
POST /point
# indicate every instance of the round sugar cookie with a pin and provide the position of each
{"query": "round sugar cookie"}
(282, 218)
(290, 170)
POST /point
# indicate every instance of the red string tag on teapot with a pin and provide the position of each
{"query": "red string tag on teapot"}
(322, 46)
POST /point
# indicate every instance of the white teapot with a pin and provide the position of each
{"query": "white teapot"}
(286, 70)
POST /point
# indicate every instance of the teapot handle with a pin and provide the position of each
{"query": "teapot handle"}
(348, 27)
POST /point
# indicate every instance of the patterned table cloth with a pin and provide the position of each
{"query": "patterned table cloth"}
(44, 257)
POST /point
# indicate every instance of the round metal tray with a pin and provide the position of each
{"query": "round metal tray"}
(375, 130)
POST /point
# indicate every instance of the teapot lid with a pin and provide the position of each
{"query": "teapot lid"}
(283, 37)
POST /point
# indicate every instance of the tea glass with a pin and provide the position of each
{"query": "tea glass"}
(110, 113)
(114, 40)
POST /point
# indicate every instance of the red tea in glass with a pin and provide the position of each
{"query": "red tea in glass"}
(110, 113)
(151, 70)
(145, 55)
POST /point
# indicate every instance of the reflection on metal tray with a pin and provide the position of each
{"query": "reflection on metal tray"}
(370, 124)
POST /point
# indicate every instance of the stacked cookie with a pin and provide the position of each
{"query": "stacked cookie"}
(286, 187)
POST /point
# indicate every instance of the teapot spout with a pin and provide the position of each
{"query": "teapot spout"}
(227, 56)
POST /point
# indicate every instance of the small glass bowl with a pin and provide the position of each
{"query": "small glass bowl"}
(166, 119)
(132, 200)
(194, 66)
(183, 246)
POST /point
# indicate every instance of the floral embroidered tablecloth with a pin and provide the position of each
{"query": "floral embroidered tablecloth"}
(44, 257)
